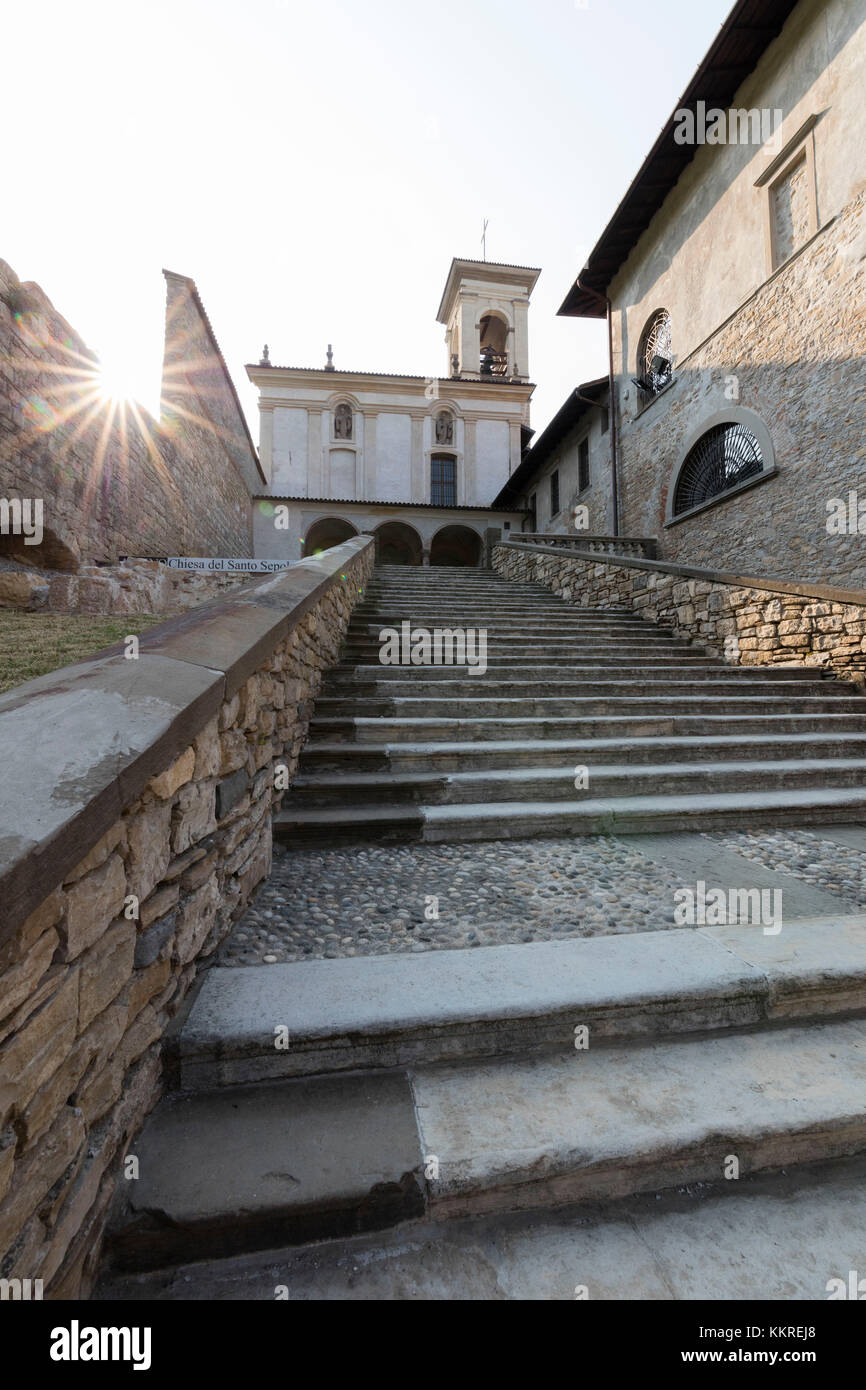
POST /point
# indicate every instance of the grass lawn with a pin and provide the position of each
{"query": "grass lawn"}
(33, 643)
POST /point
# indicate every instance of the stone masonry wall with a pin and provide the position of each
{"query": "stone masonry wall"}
(136, 586)
(110, 917)
(114, 481)
(795, 354)
(745, 623)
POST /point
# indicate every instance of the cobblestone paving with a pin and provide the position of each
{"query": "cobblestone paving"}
(373, 901)
(807, 855)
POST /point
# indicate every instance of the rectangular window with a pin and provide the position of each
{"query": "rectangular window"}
(443, 481)
(533, 516)
(583, 465)
(790, 212)
(554, 494)
(791, 193)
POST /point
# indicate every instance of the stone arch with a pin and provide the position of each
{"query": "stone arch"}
(326, 532)
(493, 340)
(733, 415)
(456, 546)
(397, 543)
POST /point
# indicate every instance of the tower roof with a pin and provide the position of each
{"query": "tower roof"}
(487, 273)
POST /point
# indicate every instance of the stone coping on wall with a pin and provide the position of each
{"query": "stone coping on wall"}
(81, 743)
(806, 588)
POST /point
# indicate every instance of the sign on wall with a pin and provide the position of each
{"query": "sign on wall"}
(215, 565)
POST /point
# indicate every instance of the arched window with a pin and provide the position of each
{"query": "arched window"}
(655, 354)
(443, 427)
(494, 345)
(723, 457)
(343, 421)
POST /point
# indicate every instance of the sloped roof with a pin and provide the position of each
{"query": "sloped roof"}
(744, 37)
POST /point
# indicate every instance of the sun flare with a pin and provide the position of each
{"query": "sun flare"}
(115, 383)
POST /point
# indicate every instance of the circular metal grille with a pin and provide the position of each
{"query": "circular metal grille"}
(723, 457)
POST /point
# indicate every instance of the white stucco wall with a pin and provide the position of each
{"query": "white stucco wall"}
(342, 470)
(491, 449)
(290, 452)
(393, 457)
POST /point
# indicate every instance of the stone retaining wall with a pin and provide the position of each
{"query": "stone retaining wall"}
(136, 811)
(748, 621)
(136, 586)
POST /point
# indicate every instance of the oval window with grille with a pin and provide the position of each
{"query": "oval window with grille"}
(654, 350)
(724, 457)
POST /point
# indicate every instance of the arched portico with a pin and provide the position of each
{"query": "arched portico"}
(327, 532)
(456, 546)
(398, 544)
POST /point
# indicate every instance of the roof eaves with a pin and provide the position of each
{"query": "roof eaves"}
(742, 31)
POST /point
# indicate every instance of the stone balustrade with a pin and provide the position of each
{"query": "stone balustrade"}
(641, 547)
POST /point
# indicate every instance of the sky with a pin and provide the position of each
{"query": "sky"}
(315, 166)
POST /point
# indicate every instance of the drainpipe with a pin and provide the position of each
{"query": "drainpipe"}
(614, 483)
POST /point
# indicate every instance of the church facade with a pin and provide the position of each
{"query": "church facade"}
(415, 461)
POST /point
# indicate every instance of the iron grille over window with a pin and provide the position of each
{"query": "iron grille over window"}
(443, 481)
(723, 457)
(583, 465)
(554, 493)
(655, 354)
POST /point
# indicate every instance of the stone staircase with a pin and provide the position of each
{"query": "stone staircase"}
(671, 738)
(418, 1093)
(380, 1126)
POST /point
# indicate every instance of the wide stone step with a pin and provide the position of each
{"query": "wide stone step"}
(386, 730)
(497, 610)
(485, 706)
(576, 658)
(672, 669)
(518, 628)
(508, 820)
(558, 783)
(776, 1237)
(558, 753)
(369, 649)
(372, 1012)
(609, 1122)
(495, 687)
(253, 1167)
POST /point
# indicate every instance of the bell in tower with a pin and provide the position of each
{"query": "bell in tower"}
(485, 310)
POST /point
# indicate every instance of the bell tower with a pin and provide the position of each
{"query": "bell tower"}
(485, 310)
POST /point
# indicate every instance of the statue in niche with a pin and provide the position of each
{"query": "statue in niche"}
(445, 428)
(343, 422)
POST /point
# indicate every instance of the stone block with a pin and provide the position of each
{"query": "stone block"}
(105, 971)
(194, 815)
(93, 902)
(158, 904)
(230, 791)
(180, 772)
(113, 839)
(35, 1050)
(149, 848)
(195, 920)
